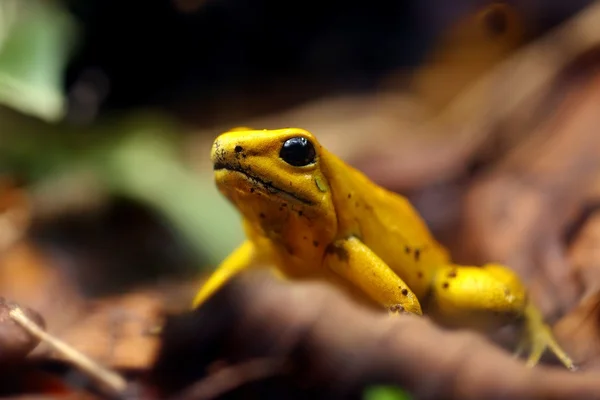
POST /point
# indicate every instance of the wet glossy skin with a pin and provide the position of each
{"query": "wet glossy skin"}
(313, 217)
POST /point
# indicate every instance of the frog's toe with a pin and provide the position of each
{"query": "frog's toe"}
(535, 353)
(521, 346)
(539, 339)
(558, 351)
(397, 309)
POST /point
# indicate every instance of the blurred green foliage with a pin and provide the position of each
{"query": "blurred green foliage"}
(135, 156)
(36, 38)
(385, 393)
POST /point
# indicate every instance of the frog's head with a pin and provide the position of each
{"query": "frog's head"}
(274, 177)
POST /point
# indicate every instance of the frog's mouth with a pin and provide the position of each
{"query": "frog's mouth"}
(257, 181)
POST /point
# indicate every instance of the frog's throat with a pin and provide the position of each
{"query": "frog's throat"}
(257, 181)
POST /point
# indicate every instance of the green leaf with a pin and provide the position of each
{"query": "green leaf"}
(143, 164)
(35, 41)
(383, 392)
(137, 157)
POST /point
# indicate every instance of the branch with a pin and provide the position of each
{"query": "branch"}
(338, 347)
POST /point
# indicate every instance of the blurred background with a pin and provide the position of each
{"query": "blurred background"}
(108, 110)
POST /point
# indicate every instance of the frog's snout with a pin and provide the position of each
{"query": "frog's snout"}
(219, 155)
(228, 154)
(214, 151)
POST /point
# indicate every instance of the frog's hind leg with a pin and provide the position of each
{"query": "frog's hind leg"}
(489, 297)
(236, 262)
(538, 337)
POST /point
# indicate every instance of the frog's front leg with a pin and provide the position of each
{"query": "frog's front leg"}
(354, 261)
(236, 262)
(487, 298)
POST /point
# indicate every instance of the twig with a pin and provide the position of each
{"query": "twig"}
(231, 377)
(107, 378)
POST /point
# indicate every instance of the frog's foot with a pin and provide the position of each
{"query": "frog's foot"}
(538, 337)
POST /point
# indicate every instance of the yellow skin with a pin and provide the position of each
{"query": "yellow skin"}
(312, 216)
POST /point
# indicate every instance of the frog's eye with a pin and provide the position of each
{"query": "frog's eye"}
(298, 151)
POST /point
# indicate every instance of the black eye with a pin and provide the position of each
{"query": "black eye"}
(298, 152)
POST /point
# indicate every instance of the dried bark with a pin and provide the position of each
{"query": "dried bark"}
(336, 348)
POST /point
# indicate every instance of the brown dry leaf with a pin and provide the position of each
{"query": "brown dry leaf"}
(15, 212)
(30, 279)
(518, 212)
(584, 255)
(113, 331)
(27, 276)
(467, 50)
(579, 331)
(594, 191)
(27, 381)
(118, 331)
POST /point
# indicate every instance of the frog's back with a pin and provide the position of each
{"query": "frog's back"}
(388, 224)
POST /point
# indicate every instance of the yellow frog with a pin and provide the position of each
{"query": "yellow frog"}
(312, 216)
